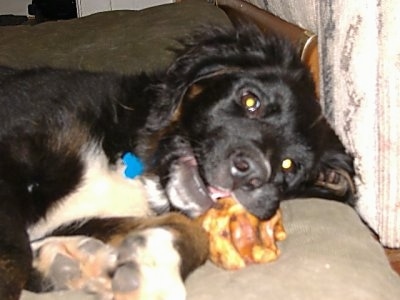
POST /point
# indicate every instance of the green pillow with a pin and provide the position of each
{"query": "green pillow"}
(120, 41)
(329, 254)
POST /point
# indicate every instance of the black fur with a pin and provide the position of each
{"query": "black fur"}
(186, 120)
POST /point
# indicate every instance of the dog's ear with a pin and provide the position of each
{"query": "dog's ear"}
(163, 109)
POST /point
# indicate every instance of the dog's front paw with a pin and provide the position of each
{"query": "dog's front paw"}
(152, 253)
(339, 182)
(144, 266)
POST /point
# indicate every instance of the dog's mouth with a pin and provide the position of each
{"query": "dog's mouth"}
(243, 174)
(187, 190)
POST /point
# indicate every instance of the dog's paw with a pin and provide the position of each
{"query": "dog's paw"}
(339, 182)
(144, 266)
(157, 263)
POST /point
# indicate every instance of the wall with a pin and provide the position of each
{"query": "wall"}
(14, 7)
(87, 7)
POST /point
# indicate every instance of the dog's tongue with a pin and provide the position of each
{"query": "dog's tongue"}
(186, 189)
(188, 192)
(218, 193)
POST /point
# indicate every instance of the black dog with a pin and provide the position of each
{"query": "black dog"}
(235, 114)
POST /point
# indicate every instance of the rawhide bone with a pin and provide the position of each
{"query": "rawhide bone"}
(238, 238)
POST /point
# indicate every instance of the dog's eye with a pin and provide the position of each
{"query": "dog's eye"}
(288, 165)
(250, 102)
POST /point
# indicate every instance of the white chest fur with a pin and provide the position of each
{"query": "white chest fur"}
(103, 192)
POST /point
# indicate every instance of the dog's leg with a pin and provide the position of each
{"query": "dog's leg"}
(125, 257)
(15, 261)
(15, 253)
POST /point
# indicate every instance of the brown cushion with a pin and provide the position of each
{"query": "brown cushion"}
(329, 254)
(121, 41)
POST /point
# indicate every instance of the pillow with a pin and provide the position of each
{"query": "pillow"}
(119, 41)
(329, 254)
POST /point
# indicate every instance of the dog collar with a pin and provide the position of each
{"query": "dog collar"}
(134, 167)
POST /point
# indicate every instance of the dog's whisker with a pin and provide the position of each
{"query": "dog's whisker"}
(125, 106)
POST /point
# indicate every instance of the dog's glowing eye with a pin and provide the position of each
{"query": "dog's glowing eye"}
(287, 165)
(250, 102)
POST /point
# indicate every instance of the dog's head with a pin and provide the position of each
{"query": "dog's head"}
(245, 123)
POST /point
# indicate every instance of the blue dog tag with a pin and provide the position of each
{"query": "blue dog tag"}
(134, 166)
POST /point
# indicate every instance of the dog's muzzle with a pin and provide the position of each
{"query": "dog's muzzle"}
(244, 175)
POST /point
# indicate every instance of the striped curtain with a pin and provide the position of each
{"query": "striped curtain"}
(360, 56)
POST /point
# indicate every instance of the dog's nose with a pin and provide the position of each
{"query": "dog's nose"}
(248, 172)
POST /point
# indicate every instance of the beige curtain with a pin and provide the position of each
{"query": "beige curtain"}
(360, 90)
(360, 51)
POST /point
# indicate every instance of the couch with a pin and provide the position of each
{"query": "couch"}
(329, 253)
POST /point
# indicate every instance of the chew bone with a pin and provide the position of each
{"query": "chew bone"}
(238, 238)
